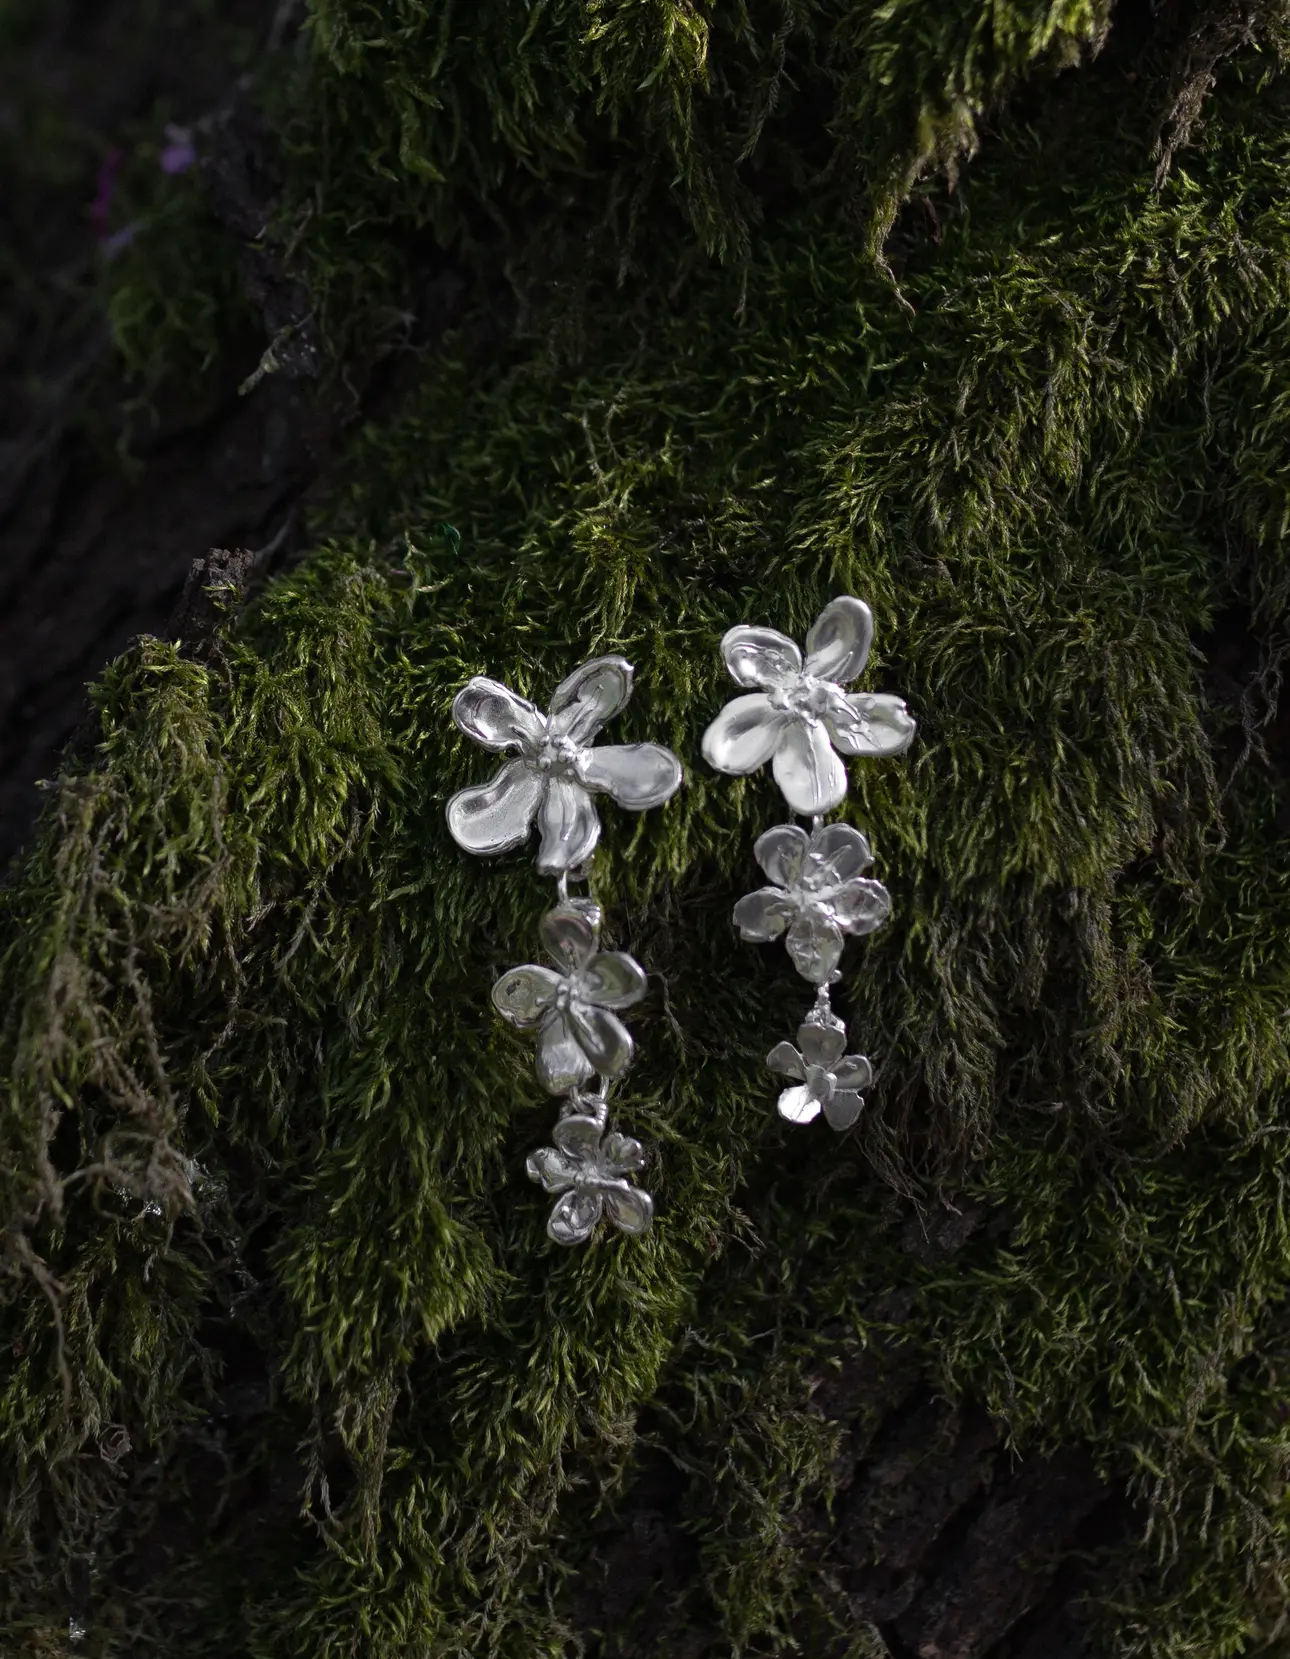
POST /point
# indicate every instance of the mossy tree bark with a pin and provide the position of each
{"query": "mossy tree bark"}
(681, 315)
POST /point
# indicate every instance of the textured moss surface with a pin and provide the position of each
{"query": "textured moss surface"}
(257, 1101)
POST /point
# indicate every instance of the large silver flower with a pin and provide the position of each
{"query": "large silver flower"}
(555, 771)
(820, 895)
(800, 715)
(579, 1034)
(589, 1171)
(826, 1079)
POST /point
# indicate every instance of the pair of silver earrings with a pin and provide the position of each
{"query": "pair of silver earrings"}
(794, 714)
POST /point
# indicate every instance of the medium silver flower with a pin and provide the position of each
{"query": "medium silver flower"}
(820, 895)
(826, 1079)
(590, 1174)
(555, 771)
(800, 715)
(579, 1034)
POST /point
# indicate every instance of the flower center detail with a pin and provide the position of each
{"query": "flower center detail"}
(558, 756)
(817, 891)
(802, 695)
(821, 1083)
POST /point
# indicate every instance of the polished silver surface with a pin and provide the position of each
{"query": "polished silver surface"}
(826, 1079)
(573, 1006)
(819, 895)
(556, 769)
(799, 718)
(588, 1166)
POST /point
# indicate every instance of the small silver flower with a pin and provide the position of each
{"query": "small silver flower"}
(579, 1035)
(820, 895)
(800, 714)
(556, 771)
(827, 1079)
(590, 1174)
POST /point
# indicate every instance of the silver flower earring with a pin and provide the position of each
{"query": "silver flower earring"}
(583, 1047)
(799, 718)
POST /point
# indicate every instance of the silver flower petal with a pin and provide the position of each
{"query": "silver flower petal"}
(837, 646)
(860, 905)
(760, 656)
(602, 1037)
(493, 817)
(785, 1060)
(579, 1136)
(810, 776)
(569, 824)
(853, 1071)
(590, 696)
(637, 775)
(886, 725)
(821, 1045)
(781, 852)
(574, 1217)
(847, 725)
(842, 1109)
(561, 1063)
(838, 852)
(815, 944)
(523, 995)
(612, 979)
(495, 716)
(763, 915)
(744, 735)
(569, 932)
(798, 1105)
(622, 1155)
(552, 1168)
(630, 1209)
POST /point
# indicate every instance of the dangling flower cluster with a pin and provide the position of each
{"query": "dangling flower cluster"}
(573, 1006)
(800, 719)
(574, 1009)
